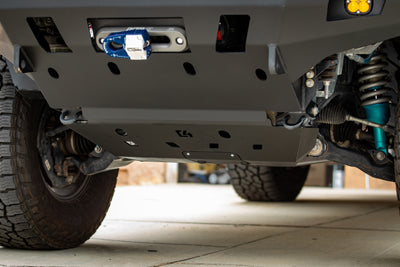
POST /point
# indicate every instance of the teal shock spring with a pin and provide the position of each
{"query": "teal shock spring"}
(373, 80)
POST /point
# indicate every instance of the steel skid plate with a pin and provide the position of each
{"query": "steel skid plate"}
(215, 90)
(200, 136)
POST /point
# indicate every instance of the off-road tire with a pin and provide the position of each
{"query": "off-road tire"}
(31, 217)
(270, 184)
(397, 151)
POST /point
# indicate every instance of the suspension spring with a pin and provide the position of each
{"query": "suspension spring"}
(373, 80)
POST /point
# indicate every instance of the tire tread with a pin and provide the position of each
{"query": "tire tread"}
(22, 223)
(268, 184)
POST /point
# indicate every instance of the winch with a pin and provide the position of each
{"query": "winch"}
(138, 43)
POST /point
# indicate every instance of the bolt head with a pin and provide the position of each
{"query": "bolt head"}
(318, 149)
(314, 111)
(98, 149)
(380, 155)
(310, 74)
(179, 41)
(310, 83)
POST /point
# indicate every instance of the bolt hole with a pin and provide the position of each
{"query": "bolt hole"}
(113, 68)
(53, 73)
(214, 145)
(257, 147)
(121, 132)
(261, 74)
(130, 143)
(224, 134)
(172, 144)
(189, 68)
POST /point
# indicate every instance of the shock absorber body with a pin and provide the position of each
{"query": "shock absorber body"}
(373, 80)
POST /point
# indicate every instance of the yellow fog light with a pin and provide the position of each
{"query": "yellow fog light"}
(358, 6)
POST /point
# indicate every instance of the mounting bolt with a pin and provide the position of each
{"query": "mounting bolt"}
(318, 149)
(179, 41)
(98, 149)
(310, 74)
(310, 83)
(314, 110)
(380, 155)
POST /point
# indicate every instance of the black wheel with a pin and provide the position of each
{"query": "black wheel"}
(261, 183)
(35, 211)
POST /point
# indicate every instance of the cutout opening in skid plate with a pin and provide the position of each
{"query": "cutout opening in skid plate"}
(48, 35)
(166, 35)
(232, 33)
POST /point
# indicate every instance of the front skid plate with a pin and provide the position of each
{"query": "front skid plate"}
(202, 141)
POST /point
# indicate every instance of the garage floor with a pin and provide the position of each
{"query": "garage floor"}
(203, 225)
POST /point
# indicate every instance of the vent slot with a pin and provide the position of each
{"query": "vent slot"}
(257, 147)
(172, 144)
(47, 35)
(214, 145)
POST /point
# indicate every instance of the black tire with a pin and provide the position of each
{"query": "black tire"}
(397, 151)
(261, 183)
(31, 215)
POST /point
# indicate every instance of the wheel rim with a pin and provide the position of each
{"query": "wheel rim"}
(53, 183)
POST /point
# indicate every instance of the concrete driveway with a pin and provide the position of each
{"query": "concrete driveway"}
(204, 225)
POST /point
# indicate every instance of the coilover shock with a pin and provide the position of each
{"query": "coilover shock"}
(373, 86)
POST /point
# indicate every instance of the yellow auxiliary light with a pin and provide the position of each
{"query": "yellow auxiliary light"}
(358, 7)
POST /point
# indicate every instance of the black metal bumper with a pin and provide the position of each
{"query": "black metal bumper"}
(152, 100)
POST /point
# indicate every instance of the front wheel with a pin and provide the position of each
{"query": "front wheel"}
(36, 213)
(261, 183)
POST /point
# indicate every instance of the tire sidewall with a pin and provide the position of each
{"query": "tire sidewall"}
(59, 223)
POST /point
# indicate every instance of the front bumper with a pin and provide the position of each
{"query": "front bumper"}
(224, 86)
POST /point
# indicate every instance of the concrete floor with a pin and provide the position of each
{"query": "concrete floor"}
(204, 225)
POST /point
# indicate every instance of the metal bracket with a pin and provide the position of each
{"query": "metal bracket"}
(22, 63)
(275, 65)
(72, 116)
